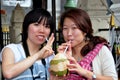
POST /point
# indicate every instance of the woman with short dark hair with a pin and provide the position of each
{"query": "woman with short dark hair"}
(29, 60)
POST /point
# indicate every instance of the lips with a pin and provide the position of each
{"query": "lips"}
(41, 37)
(70, 40)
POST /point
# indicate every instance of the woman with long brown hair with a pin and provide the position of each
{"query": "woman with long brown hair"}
(89, 55)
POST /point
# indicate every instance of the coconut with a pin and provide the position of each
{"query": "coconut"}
(58, 65)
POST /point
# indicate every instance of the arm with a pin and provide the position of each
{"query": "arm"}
(86, 73)
(11, 69)
(104, 71)
(104, 62)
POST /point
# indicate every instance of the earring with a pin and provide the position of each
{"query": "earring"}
(86, 39)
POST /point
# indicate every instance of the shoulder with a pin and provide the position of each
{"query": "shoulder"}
(104, 62)
(105, 51)
(9, 46)
(15, 49)
(105, 48)
(105, 55)
(12, 47)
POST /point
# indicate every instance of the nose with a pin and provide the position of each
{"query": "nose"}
(70, 32)
(41, 28)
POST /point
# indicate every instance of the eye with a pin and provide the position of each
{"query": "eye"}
(64, 27)
(47, 26)
(36, 24)
(74, 27)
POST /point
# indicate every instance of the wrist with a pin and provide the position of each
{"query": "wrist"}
(93, 76)
(90, 75)
(38, 56)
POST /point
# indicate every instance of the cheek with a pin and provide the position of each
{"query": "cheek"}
(47, 31)
(79, 35)
(64, 35)
(31, 30)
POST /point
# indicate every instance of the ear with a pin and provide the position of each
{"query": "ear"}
(84, 34)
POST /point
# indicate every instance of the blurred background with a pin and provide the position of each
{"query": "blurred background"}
(105, 16)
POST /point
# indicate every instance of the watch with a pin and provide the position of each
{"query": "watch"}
(93, 77)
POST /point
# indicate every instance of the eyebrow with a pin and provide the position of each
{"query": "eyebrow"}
(70, 25)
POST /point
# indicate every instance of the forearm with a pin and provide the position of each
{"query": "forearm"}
(12, 70)
(89, 75)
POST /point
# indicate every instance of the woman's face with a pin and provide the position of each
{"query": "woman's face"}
(72, 33)
(38, 32)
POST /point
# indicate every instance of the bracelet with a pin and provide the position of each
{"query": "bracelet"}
(93, 77)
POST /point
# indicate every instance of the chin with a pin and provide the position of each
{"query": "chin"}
(40, 43)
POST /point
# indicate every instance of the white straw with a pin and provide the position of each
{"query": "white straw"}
(46, 39)
(65, 50)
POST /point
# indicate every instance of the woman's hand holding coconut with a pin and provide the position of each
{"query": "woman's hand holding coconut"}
(75, 67)
(72, 67)
(58, 65)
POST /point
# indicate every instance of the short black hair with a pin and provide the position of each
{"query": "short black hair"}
(36, 15)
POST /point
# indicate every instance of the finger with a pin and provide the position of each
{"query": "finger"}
(49, 50)
(47, 53)
(61, 48)
(72, 69)
(71, 59)
(70, 66)
(64, 44)
(51, 40)
(68, 47)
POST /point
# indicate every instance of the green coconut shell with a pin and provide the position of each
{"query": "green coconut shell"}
(54, 62)
(58, 65)
(60, 73)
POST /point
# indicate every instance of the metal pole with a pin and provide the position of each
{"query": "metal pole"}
(1, 37)
(54, 18)
(44, 4)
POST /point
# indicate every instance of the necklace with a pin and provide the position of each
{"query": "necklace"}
(77, 58)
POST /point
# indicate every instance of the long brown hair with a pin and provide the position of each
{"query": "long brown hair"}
(82, 20)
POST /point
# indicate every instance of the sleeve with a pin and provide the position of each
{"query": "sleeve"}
(50, 58)
(15, 50)
(2, 52)
(107, 63)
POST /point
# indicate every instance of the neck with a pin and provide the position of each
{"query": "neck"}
(78, 47)
(76, 51)
(33, 48)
